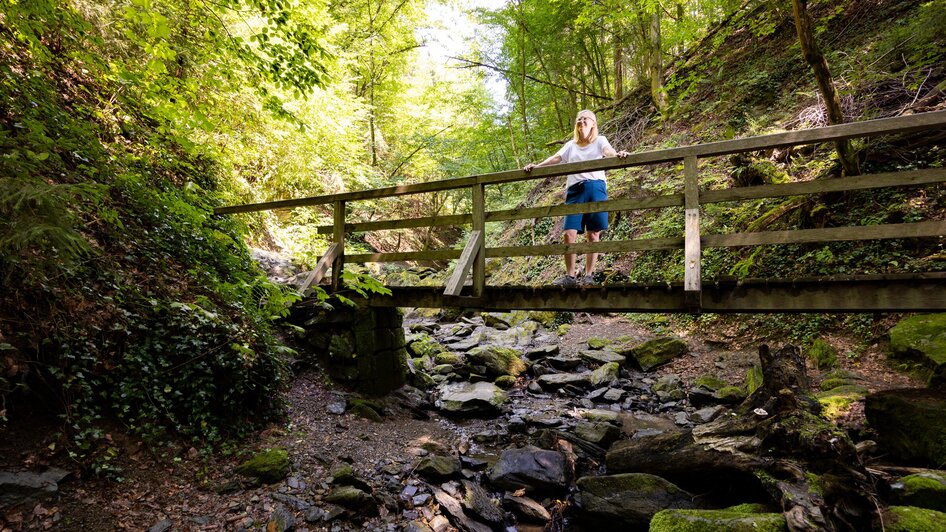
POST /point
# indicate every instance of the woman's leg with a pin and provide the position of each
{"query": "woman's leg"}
(570, 236)
(592, 258)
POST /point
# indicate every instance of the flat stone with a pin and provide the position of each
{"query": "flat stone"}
(557, 380)
(596, 356)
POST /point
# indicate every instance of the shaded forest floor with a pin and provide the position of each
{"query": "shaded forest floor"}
(176, 486)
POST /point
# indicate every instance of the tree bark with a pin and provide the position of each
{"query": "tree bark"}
(656, 66)
(832, 101)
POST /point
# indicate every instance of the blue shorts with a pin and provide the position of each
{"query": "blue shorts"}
(586, 192)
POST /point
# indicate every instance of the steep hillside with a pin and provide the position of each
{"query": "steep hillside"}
(748, 77)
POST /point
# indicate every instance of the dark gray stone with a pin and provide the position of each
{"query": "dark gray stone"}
(531, 468)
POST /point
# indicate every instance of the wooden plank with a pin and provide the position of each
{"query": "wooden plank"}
(479, 226)
(623, 246)
(464, 265)
(315, 276)
(901, 124)
(828, 234)
(691, 232)
(404, 223)
(889, 179)
(763, 296)
(405, 256)
(627, 204)
(338, 265)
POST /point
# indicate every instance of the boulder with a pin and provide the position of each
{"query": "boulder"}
(267, 466)
(471, 398)
(922, 338)
(909, 424)
(438, 468)
(923, 490)
(599, 433)
(532, 469)
(717, 521)
(498, 360)
(21, 486)
(912, 519)
(628, 500)
(656, 352)
(352, 498)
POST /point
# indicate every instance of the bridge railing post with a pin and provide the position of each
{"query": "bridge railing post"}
(479, 224)
(691, 237)
(338, 237)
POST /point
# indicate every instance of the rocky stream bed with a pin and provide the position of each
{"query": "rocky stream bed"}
(510, 422)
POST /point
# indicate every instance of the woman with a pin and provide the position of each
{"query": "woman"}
(583, 188)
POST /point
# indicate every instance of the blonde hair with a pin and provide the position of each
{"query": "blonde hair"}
(594, 128)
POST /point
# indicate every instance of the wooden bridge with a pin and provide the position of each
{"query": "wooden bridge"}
(893, 292)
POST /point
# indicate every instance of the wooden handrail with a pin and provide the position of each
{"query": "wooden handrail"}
(472, 258)
(881, 126)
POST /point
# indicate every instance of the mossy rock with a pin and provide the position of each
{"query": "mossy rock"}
(710, 382)
(605, 374)
(731, 394)
(424, 345)
(754, 379)
(598, 343)
(498, 360)
(268, 466)
(656, 352)
(627, 499)
(823, 354)
(546, 317)
(505, 381)
(367, 409)
(912, 519)
(563, 329)
(922, 490)
(749, 508)
(447, 357)
(438, 468)
(909, 424)
(922, 338)
(838, 400)
(717, 521)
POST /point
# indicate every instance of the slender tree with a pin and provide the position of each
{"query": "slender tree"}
(819, 65)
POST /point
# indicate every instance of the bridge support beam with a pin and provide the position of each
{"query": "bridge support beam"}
(691, 234)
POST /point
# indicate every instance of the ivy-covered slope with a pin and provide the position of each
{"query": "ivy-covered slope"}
(748, 77)
(121, 296)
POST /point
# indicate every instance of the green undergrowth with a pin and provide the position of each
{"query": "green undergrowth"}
(124, 300)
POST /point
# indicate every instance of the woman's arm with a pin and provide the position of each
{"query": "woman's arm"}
(608, 151)
(555, 159)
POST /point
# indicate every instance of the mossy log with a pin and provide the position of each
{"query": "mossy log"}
(806, 464)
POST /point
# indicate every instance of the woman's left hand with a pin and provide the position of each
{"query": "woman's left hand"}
(622, 154)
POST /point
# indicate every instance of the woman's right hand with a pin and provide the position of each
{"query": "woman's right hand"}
(529, 167)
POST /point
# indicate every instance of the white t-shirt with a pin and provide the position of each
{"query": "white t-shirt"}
(572, 153)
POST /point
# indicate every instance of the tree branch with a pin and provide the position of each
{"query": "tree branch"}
(470, 64)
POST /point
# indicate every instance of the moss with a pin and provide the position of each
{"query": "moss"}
(731, 392)
(754, 379)
(823, 354)
(748, 508)
(424, 345)
(269, 466)
(912, 519)
(563, 329)
(598, 343)
(814, 483)
(447, 358)
(367, 409)
(710, 382)
(505, 381)
(837, 401)
(716, 521)
(923, 490)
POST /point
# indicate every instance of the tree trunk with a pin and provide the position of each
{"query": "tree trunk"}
(618, 67)
(656, 66)
(832, 101)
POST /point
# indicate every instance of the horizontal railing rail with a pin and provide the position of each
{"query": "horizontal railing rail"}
(472, 257)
